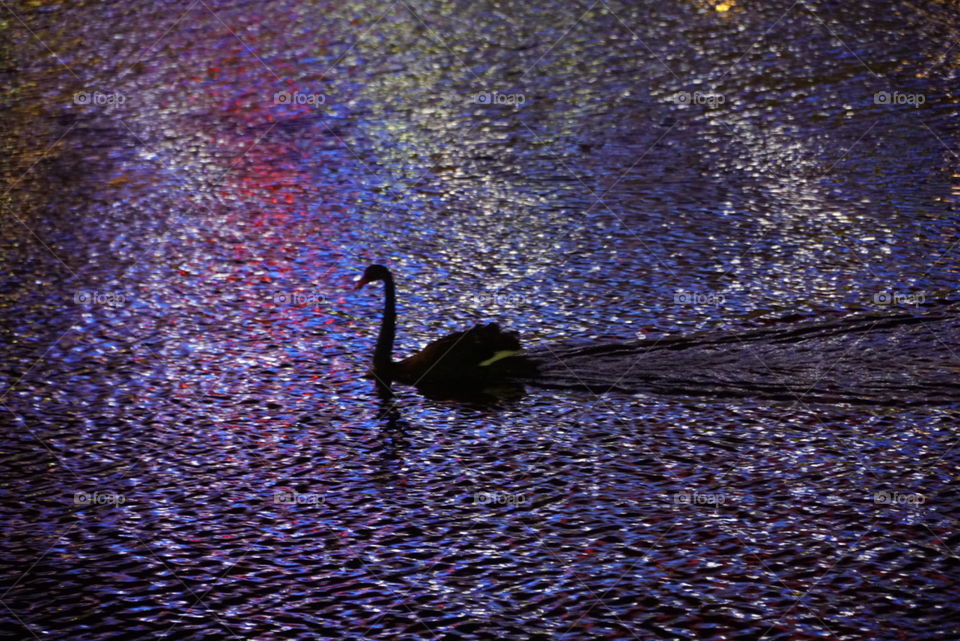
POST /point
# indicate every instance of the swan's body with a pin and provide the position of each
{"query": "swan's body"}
(474, 358)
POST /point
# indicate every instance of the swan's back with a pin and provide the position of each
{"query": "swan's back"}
(461, 357)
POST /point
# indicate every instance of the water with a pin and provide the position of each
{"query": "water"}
(191, 190)
(896, 359)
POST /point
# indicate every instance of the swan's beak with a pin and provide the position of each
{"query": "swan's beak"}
(360, 283)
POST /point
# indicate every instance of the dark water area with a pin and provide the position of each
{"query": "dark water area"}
(737, 220)
(909, 358)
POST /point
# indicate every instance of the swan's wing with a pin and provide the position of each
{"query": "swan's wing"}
(454, 355)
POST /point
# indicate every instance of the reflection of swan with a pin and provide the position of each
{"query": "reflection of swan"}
(463, 361)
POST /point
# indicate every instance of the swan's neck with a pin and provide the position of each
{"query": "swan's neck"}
(383, 355)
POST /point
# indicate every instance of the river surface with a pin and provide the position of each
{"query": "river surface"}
(727, 229)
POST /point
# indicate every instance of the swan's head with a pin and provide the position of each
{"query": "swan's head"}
(372, 273)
